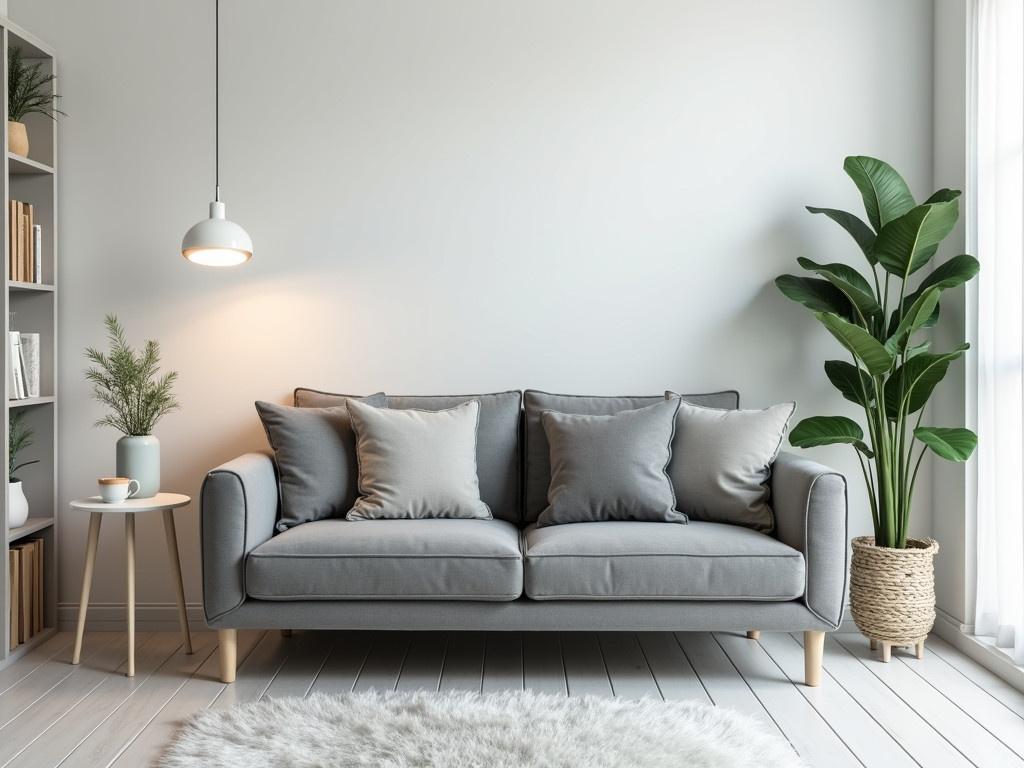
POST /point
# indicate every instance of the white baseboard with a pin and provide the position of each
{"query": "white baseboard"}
(111, 617)
(994, 659)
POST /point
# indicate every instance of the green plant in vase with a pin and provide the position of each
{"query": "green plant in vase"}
(19, 437)
(128, 381)
(29, 92)
(891, 372)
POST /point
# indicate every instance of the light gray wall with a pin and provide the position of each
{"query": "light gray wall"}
(458, 196)
(952, 484)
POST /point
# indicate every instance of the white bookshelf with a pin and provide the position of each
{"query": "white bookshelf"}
(33, 180)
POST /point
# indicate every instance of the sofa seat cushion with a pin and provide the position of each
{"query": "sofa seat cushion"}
(389, 560)
(630, 560)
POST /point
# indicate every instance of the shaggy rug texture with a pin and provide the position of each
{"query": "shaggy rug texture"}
(460, 730)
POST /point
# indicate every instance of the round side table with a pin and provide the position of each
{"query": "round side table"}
(97, 508)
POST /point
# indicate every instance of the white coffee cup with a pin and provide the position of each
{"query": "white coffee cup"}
(114, 490)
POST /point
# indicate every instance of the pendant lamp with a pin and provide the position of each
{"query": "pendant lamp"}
(217, 242)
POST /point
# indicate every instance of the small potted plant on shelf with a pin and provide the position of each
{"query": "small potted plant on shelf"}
(19, 437)
(29, 91)
(128, 381)
(891, 374)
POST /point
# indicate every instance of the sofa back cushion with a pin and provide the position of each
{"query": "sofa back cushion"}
(538, 459)
(497, 446)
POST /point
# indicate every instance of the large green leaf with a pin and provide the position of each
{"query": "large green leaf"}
(906, 244)
(943, 196)
(957, 271)
(860, 231)
(875, 357)
(852, 284)
(918, 349)
(886, 195)
(829, 430)
(851, 381)
(844, 272)
(918, 377)
(817, 295)
(914, 319)
(951, 443)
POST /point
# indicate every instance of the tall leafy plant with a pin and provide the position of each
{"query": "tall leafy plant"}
(128, 381)
(29, 89)
(19, 437)
(877, 319)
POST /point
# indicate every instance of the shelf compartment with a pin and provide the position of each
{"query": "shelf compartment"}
(32, 525)
(19, 165)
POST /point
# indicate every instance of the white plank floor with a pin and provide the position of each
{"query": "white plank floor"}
(944, 710)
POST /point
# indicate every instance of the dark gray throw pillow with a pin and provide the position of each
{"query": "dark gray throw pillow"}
(722, 460)
(611, 467)
(537, 456)
(315, 452)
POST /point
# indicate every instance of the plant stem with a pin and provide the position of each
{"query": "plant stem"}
(871, 488)
(885, 298)
(913, 480)
(883, 465)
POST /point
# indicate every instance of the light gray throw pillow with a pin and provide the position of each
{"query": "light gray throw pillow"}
(315, 453)
(417, 464)
(722, 461)
(611, 467)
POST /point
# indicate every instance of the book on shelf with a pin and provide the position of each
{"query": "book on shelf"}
(37, 254)
(24, 244)
(30, 362)
(26, 582)
(17, 382)
(27, 572)
(14, 594)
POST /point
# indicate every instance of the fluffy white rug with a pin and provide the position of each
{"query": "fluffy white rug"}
(459, 730)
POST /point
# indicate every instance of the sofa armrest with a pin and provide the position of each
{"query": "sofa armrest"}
(238, 510)
(811, 513)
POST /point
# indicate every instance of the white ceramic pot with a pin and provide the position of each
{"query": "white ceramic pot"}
(138, 458)
(17, 505)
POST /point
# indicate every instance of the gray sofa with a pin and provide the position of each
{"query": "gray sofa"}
(507, 574)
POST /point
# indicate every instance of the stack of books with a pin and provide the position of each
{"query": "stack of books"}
(23, 373)
(26, 571)
(24, 244)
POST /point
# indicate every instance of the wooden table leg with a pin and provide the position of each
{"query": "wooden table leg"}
(172, 552)
(90, 560)
(129, 548)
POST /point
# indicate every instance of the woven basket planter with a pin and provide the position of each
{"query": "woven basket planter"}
(892, 592)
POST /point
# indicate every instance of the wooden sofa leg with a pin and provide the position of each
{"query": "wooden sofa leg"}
(286, 633)
(228, 640)
(754, 634)
(814, 648)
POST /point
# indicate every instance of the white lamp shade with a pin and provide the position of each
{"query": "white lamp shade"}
(217, 242)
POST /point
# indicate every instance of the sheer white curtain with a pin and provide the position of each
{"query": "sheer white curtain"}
(999, 139)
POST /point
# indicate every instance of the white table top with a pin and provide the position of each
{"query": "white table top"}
(148, 504)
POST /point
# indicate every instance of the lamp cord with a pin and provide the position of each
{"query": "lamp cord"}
(216, 99)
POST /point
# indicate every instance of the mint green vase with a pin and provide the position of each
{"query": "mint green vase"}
(138, 458)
